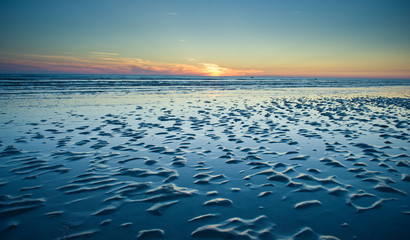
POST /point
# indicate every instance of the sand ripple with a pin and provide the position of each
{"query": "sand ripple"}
(245, 166)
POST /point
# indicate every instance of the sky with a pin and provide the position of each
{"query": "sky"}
(316, 38)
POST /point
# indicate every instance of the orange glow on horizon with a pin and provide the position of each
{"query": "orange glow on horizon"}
(214, 70)
(112, 63)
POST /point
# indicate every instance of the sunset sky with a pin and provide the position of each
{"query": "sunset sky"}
(320, 38)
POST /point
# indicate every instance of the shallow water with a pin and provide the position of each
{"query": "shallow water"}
(206, 164)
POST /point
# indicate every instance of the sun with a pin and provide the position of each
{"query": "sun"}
(211, 69)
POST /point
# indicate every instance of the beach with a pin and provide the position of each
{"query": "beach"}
(213, 161)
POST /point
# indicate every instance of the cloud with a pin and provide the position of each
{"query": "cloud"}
(112, 64)
(172, 13)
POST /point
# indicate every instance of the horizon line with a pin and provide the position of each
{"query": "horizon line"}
(207, 76)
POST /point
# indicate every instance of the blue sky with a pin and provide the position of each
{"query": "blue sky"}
(213, 37)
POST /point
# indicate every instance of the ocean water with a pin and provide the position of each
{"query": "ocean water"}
(92, 83)
(176, 157)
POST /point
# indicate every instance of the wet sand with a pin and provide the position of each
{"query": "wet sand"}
(229, 164)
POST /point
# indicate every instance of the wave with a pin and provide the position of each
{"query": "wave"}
(119, 82)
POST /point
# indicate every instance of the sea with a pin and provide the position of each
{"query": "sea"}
(41, 83)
